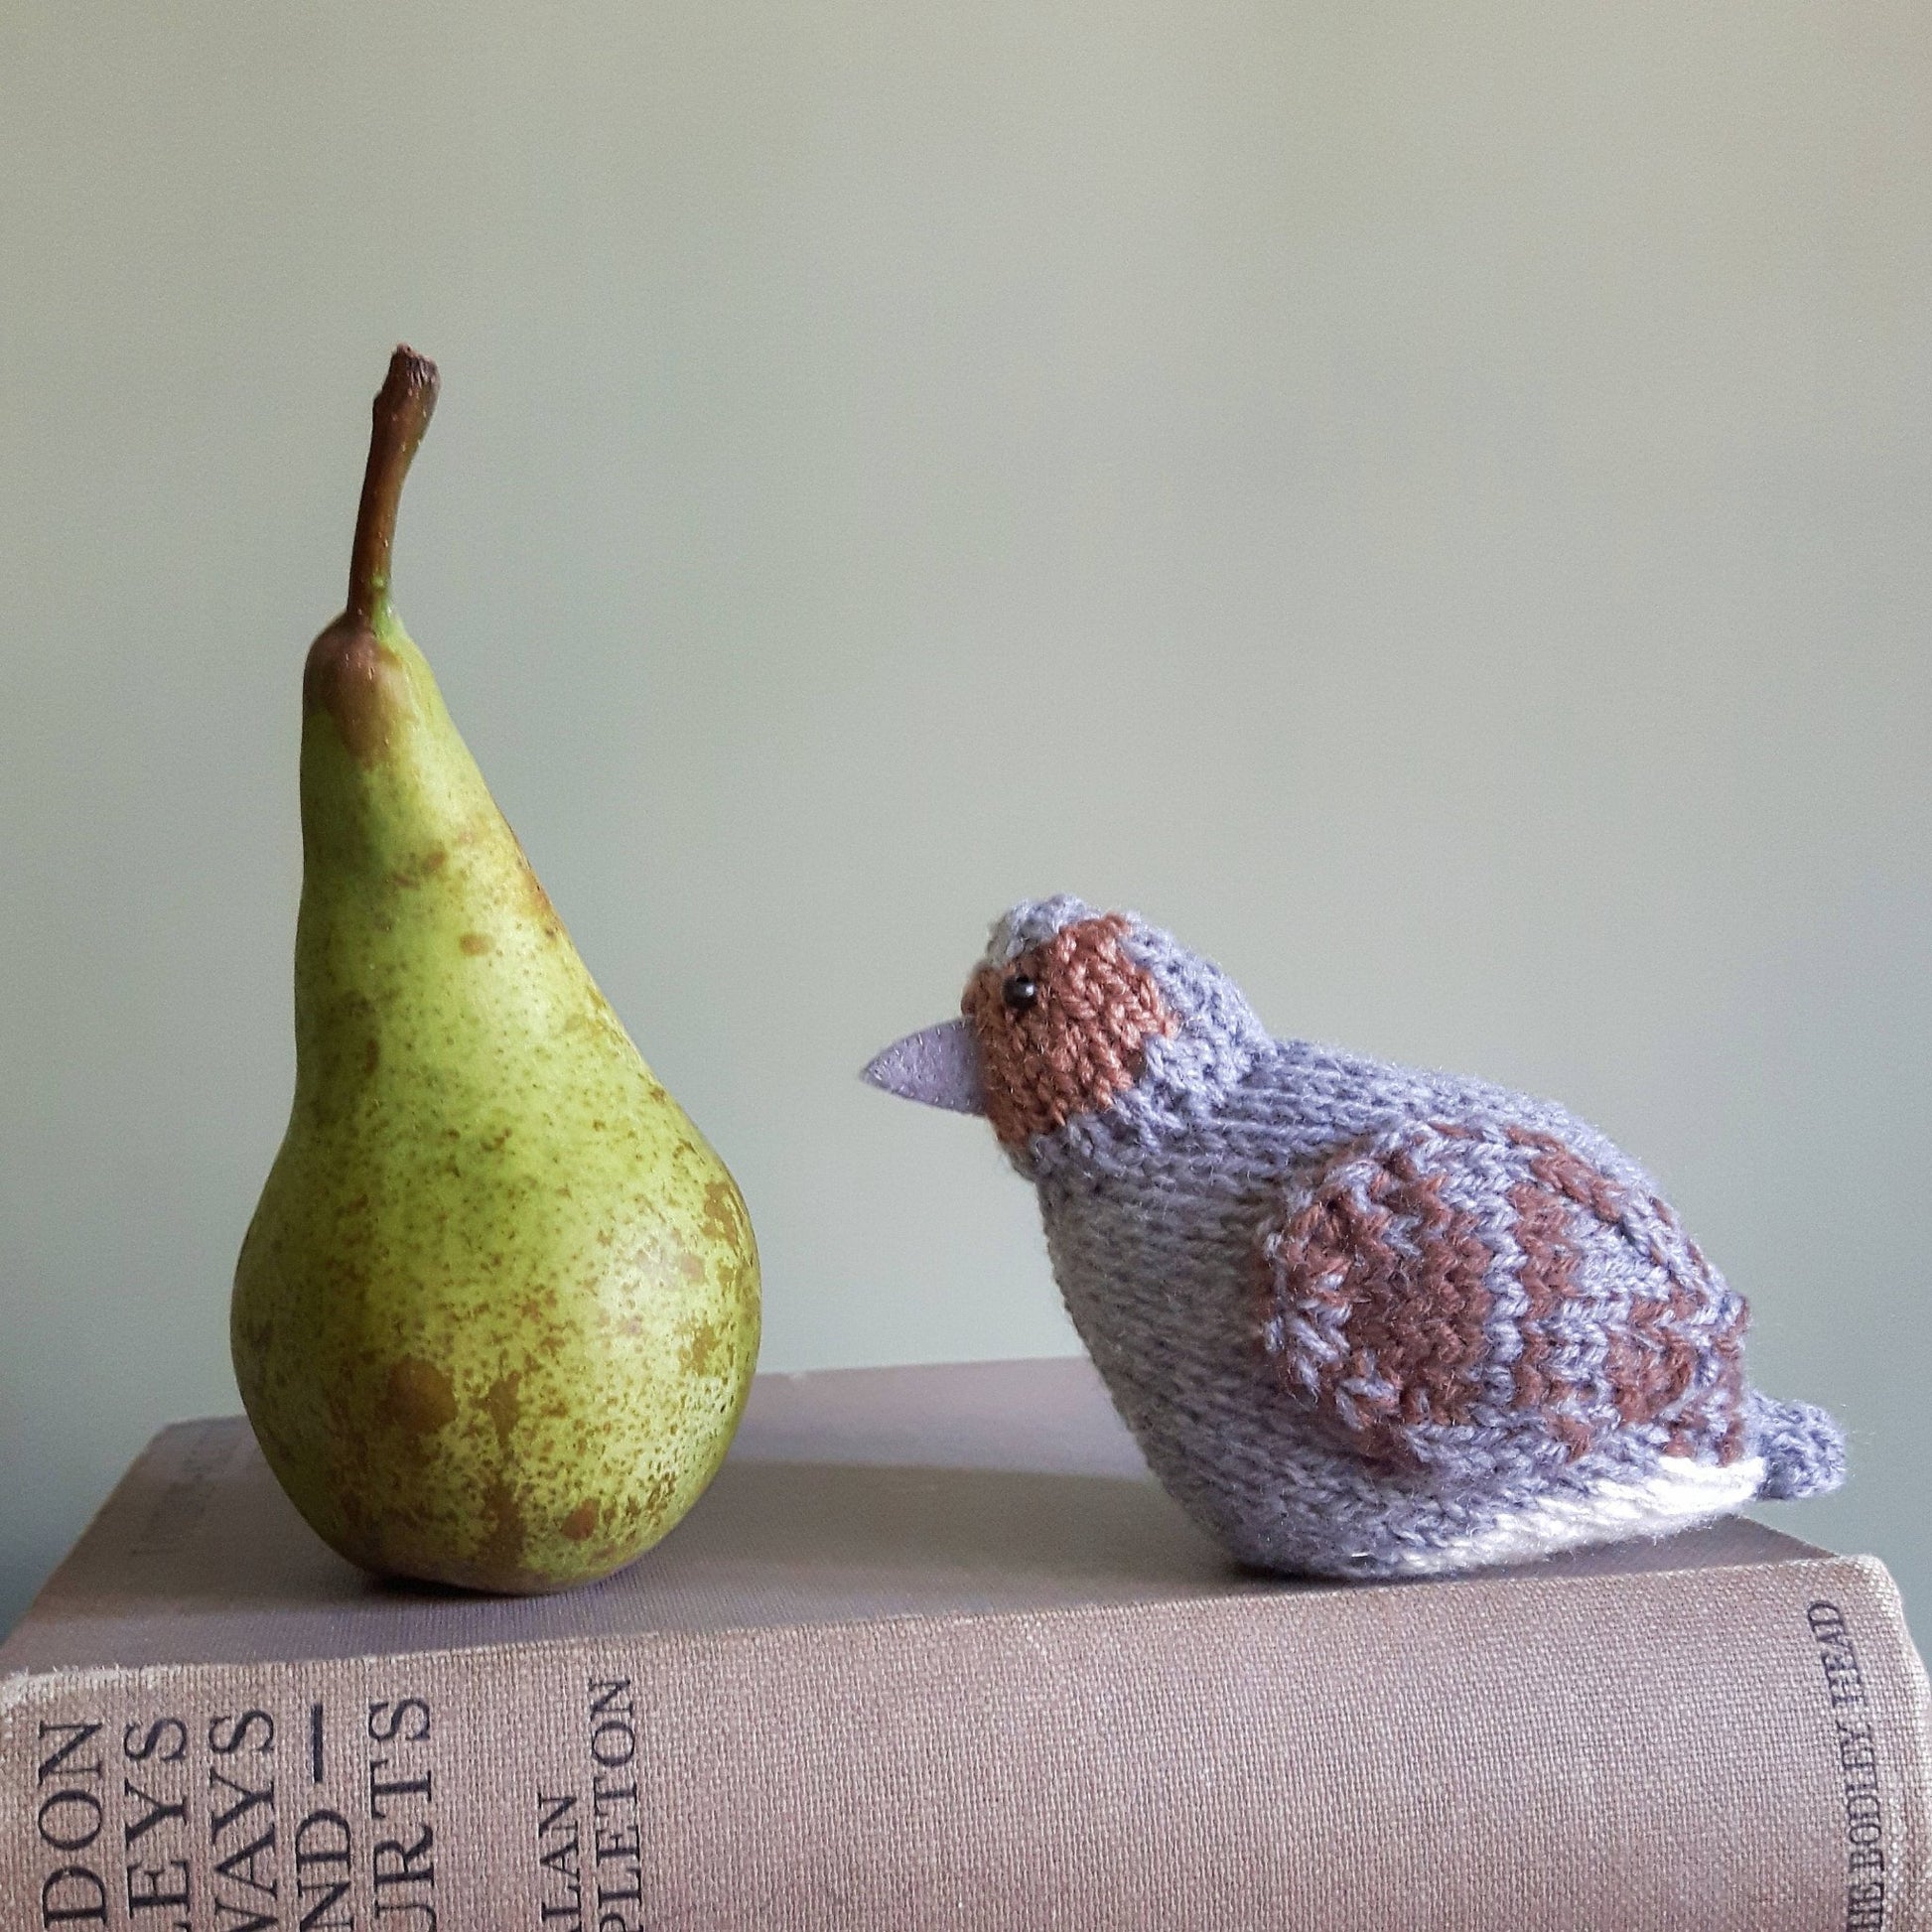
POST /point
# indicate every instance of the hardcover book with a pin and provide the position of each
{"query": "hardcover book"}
(933, 1650)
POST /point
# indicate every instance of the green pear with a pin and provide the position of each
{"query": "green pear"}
(495, 1317)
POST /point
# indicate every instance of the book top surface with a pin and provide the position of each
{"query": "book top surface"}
(849, 1495)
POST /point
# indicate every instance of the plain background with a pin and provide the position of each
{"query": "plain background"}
(1431, 502)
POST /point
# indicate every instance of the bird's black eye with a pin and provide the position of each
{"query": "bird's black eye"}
(1019, 993)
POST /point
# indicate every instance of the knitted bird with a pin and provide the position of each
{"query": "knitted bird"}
(1363, 1320)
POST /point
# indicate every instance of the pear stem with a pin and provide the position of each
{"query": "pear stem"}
(403, 406)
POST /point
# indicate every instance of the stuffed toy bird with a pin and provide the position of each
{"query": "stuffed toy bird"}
(1363, 1320)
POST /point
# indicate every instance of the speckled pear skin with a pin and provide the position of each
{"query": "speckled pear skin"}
(495, 1317)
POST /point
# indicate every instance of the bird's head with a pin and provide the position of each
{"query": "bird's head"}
(1077, 1023)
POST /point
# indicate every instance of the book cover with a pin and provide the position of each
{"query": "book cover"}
(935, 1650)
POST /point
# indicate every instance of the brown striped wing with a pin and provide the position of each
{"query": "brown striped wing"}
(1443, 1295)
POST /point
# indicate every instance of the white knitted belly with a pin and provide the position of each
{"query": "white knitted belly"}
(1676, 1495)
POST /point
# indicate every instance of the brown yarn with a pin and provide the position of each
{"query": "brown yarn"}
(1413, 1322)
(1079, 1044)
(1551, 1261)
(1398, 1276)
(1651, 1362)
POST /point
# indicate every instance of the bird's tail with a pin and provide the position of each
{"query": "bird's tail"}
(1802, 1446)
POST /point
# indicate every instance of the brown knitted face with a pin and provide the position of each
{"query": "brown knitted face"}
(1061, 1029)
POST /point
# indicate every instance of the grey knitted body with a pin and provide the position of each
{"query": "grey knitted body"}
(1362, 1320)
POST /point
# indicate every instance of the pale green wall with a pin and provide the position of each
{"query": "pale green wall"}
(1429, 501)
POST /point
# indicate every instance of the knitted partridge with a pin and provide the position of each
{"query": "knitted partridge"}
(1363, 1320)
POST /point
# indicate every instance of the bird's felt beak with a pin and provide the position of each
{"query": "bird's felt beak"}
(939, 1066)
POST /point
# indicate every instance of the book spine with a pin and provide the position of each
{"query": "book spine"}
(1742, 1748)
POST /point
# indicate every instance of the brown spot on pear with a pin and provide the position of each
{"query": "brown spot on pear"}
(701, 1346)
(417, 871)
(359, 683)
(499, 1563)
(419, 1399)
(502, 1407)
(720, 1213)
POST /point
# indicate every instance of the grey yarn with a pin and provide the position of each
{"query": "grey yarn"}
(1802, 1446)
(1185, 1219)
